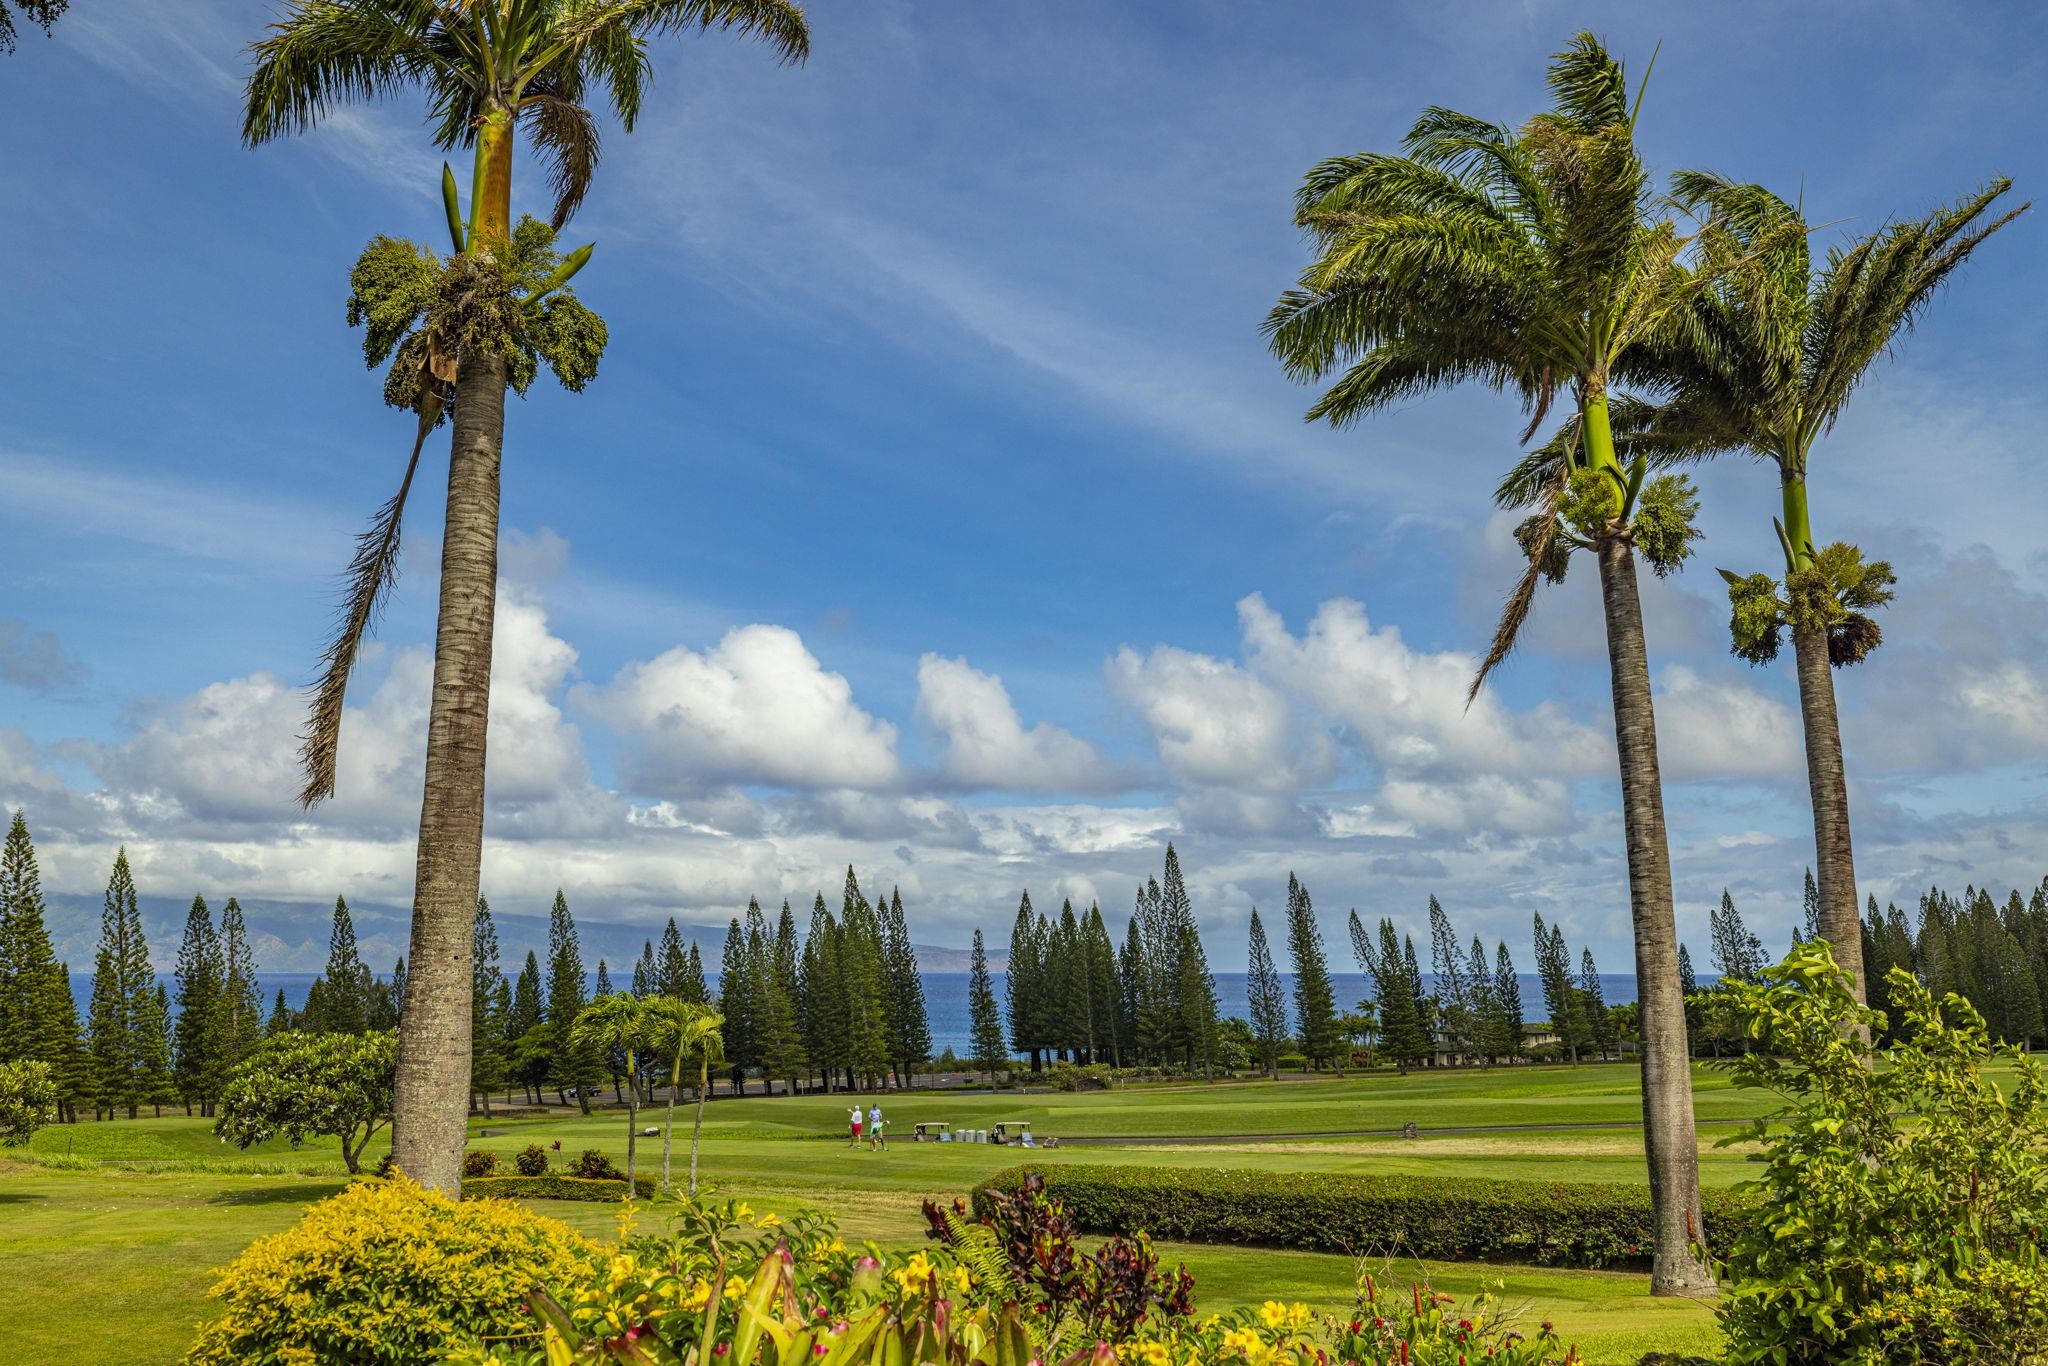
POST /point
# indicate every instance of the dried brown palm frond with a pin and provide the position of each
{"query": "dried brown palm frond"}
(371, 572)
(1541, 537)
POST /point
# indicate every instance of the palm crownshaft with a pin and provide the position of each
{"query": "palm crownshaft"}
(1527, 260)
(489, 68)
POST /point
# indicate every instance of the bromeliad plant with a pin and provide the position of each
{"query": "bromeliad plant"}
(725, 1287)
(1026, 1246)
(728, 1288)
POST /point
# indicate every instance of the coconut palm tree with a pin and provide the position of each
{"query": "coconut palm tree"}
(1790, 341)
(686, 1032)
(1529, 260)
(625, 1023)
(490, 69)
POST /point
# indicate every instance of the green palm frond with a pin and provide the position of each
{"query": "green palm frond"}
(779, 22)
(1401, 368)
(330, 52)
(1872, 293)
(1588, 85)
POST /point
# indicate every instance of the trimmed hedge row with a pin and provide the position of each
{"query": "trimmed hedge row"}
(1562, 1223)
(553, 1187)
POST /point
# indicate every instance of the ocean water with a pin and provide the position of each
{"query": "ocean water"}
(945, 996)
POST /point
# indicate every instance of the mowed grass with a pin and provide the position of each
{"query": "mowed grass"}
(138, 1236)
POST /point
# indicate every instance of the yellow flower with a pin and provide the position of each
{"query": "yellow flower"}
(1298, 1315)
(915, 1277)
(961, 1280)
(735, 1289)
(1272, 1313)
(744, 1211)
(768, 1220)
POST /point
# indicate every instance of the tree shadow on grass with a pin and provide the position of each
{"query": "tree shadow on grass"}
(19, 1197)
(286, 1193)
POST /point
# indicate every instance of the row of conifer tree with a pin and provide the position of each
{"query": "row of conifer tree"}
(842, 1006)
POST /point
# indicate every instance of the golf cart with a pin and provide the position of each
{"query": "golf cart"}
(931, 1131)
(1012, 1131)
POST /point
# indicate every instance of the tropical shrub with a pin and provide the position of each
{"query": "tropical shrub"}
(301, 1086)
(1902, 1205)
(1550, 1223)
(1418, 1327)
(28, 1100)
(1025, 1244)
(555, 1186)
(532, 1160)
(595, 1166)
(479, 1162)
(1066, 1076)
(725, 1288)
(385, 1271)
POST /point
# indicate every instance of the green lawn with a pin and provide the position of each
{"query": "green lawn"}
(130, 1218)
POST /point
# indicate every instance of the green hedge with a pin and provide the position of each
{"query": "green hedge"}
(1580, 1224)
(553, 1186)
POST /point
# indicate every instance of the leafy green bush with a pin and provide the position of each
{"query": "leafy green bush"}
(595, 1166)
(1583, 1224)
(1903, 1205)
(301, 1086)
(384, 1272)
(1065, 1076)
(555, 1186)
(532, 1160)
(28, 1101)
(479, 1162)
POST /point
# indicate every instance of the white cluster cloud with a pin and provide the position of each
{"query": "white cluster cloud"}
(1215, 723)
(750, 768)
(984, 742)
(1720, 728)
(756, 708)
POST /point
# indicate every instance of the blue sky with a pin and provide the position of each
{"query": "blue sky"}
(937, 507)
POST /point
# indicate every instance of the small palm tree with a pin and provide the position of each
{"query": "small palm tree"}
(686, 1032)
(1530, 260)
(489, 71)
(1790, 343)
(623, 1023)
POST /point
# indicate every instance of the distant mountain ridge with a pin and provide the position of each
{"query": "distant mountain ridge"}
(291, 936)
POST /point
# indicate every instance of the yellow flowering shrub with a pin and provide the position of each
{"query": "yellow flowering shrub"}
(386, 1271)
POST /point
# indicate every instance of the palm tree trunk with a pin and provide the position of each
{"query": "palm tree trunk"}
(697, 1135)
(429, 1099)
(632, 1134)
(1841, 923)
(432, 1083)
(1671, 1140)
(668, 1129)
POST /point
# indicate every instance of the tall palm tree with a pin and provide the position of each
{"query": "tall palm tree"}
(1529, 260)
(1789, 342)
(489, 69)
(621, 1022)
(686, 1032)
